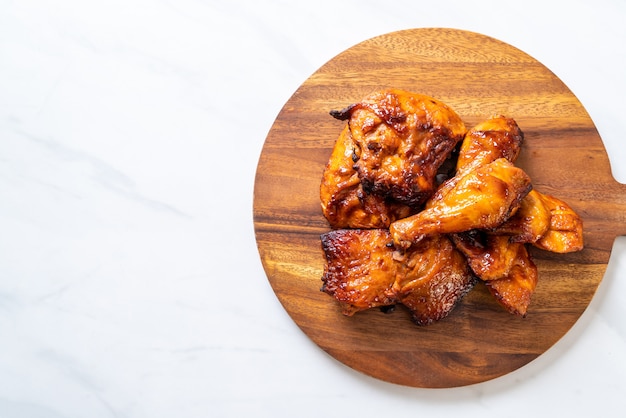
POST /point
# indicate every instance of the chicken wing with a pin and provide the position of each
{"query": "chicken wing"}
(363, 270)
(514, 291)
(402, 139)
(483, 198)
(489, 256)
(505, 266)
(565, 232)
(529, 223)
(546, 222)
(344, 202)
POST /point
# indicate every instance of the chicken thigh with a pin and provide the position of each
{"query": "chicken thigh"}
(363, 270)
(401, 141)
(344, 202)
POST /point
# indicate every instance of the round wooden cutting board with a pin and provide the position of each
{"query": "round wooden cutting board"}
(478, 77)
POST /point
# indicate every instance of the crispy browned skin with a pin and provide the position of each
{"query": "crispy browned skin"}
(401, 141)
(383, 169)
(344, 203)
(435, 278)
(500, 258)
(514, 291)
(565, 233)
(363, 270)
(360, 270)
(543, 220)
(483, 198)
(489, 256)
(505, 266)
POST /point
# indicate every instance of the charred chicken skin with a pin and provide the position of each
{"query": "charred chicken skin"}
(363, 270)
(434, 279)
(425, 248)
(344, 202)
(401, 141)
(360, 270)
(505, 266)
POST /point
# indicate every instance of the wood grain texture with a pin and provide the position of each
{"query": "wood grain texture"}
(477, 76)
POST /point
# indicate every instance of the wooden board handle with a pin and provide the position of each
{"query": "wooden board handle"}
(615, 199)
(603, 210)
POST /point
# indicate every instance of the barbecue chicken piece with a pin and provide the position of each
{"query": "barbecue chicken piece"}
(363, 270)
(543, 220)
(360, 269)
(505, 266)
(435, 278)
(483, 198)
(401, 141)
(489, 256)
(344, 203)
(546, 222)
(529, 223)
(498, 137)
(514, 291)
(565, 233)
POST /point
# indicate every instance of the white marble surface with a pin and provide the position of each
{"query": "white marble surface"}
(130, 283)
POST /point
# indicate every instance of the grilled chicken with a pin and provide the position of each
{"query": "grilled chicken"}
(360, 270)
(401, 141)
(489, 256)
(344, 202)
(498, 137)
(475, 225)
(483, 198)
(546, 222)
(363, 270)
(565, 232)
(514, 291)
(529, 223)
(434, 278)
(505, 266)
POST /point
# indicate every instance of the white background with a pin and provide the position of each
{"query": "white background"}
(130, 282)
